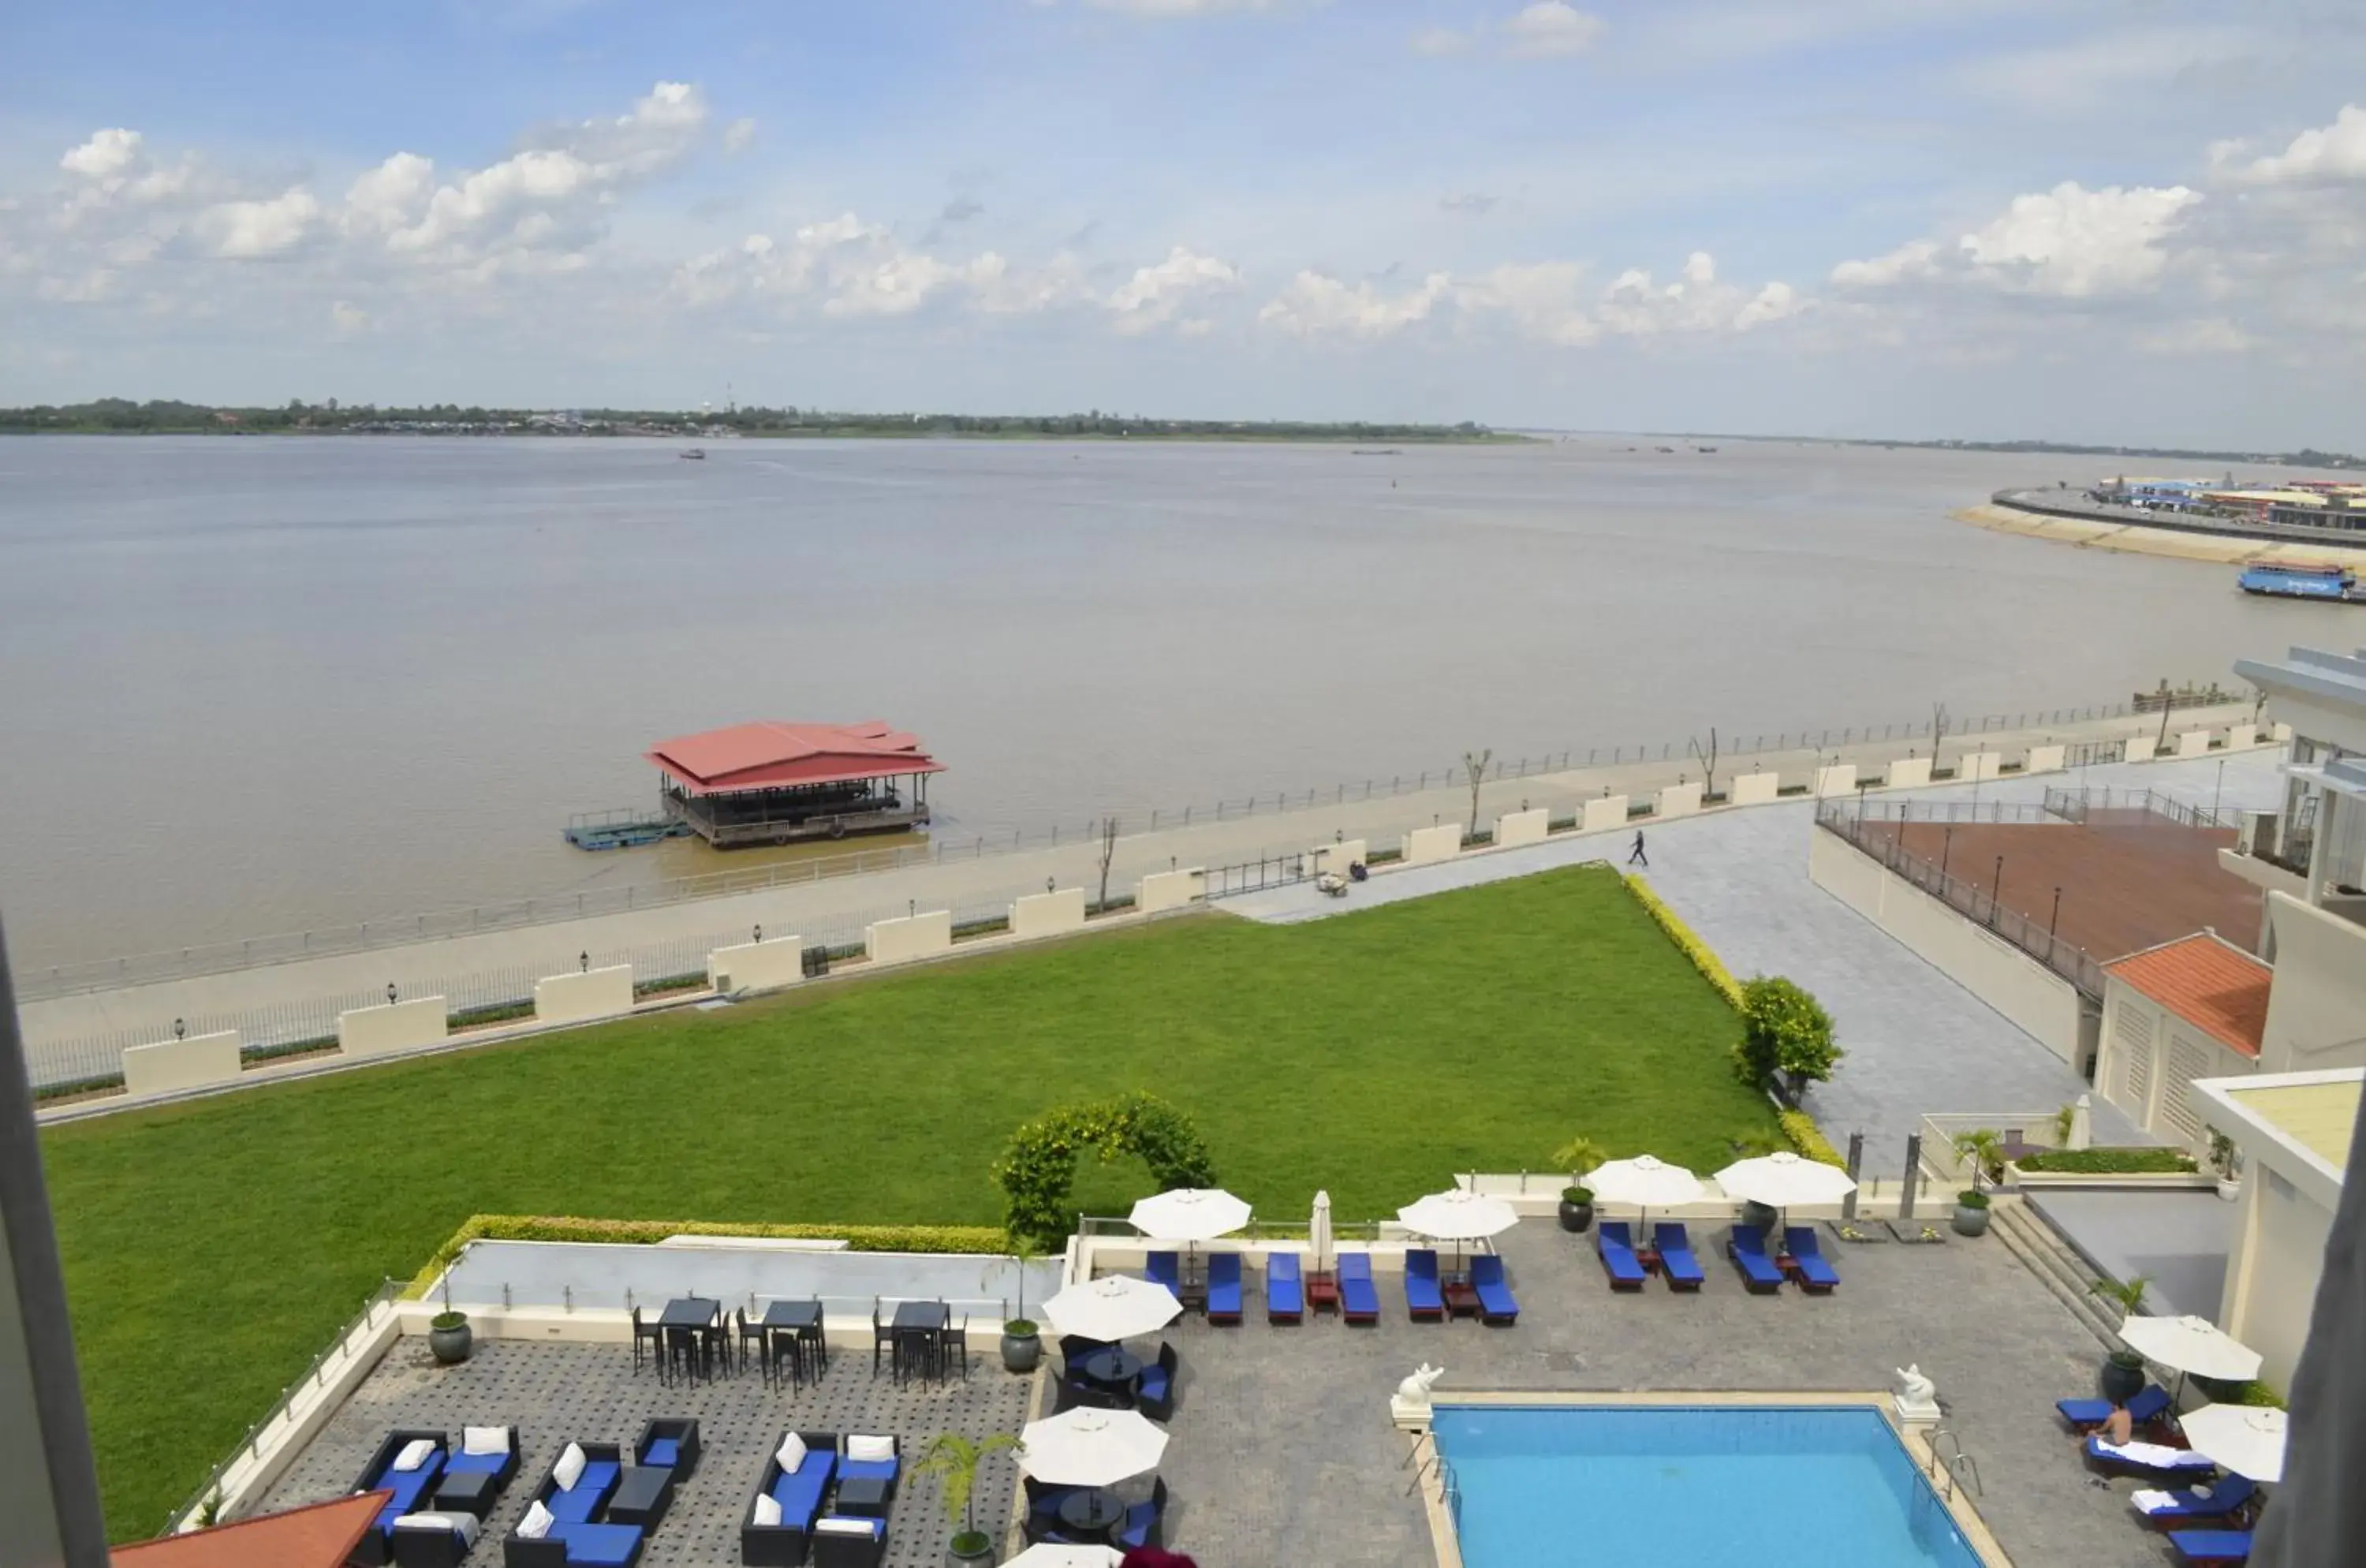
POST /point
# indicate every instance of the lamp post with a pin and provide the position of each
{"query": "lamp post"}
(2218, 793)
(1946, 843)
(1994, 886)
(2053, 921)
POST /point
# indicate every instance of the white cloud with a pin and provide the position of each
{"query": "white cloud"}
(2336, 152)
(849, 270)
(348, 320)
(1318, 305)
(1180, 7)
(739, 135)
(2074, 241)
(1916, 258)
(1775, 302)
(1540, 298)
(1549, 30)
(248, 230)
(1157, 294)
(2211, 335)
(107, 153)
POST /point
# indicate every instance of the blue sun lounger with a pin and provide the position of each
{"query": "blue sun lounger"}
(1165, 1269)
(2227, 1498)
(2143, 1410)
(1747, 1247)
(1358, 1302)
(1618, 1259)
(1496, 1302)
(1424, 1300)
(2188, 1464)
(1285, 1292)
(1816, 1272)
(1224, 1287)
(1677, 1264)
(2212, 1546)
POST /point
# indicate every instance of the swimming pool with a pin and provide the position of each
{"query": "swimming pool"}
(1708, 1487)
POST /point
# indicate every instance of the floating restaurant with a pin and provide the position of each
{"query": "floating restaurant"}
(770, 783)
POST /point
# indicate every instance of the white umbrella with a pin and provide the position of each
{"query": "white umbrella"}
(1050, 1554)
(1086, 1447)
(2247, 1440)
(1457, 1214)
(1319, 1243)
(1783, 1181)
(1645, 1181)
(1115, 1307)
(1190, 1214)
(2192, 1345)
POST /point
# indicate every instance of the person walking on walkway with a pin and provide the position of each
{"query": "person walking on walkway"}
(1636, 856)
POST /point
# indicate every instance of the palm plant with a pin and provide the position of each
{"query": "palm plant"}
(1985, 1149)
(2128, 1296)
(1580, 1157)
(953, 1460)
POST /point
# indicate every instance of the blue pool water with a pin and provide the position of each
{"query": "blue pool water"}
(1704, 1486)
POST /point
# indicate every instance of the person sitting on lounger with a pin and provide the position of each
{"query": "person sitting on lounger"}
(2119, 1428)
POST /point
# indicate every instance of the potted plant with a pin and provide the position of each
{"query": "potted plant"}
(1023, 1341)
(953, 1460)
(1971, 1216)
(1579, 1157)
(2123, 1376)
(1984, 1150)
(1757, 1146)
(2226, 1166)
(449, 1336)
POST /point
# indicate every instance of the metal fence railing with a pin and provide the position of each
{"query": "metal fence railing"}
(2039, 942)
(2079, 805)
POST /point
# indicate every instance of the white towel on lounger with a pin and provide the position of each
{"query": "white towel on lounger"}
(2149, 1502)
(2153, 1456)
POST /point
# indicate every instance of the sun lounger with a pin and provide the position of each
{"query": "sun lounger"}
(1815, 1273)
(2145, 1458)
(1165, 1269)
(2228, 1496)
(1496, 1302)
(1618, 1259)
(799, 1495)
(1285, 1294)
(1677, 1264)
(1358, 1302)
(1224, 1287)
(409, 1489)
(2212, 1546)
(1424, 1300)
(578, 1536)
(2145, 1409)
(1747, 1247)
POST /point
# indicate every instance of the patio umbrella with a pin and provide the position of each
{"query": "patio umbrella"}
(1318, 1232)
(1647, 1182)
(1190, 1214)
(2247, 1440)
(1112, 1308)
(1780, 1180)
(1085, 1446)
(2192, 1345)
(1457, 1214)
(1051, 1555)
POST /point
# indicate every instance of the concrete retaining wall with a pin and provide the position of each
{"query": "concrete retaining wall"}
(1973, 767)
(2041, 1002)
(1523, 827)
(1754, 789)
(2282, 734)
(757, 965)
(573, 998)
(1678, 800)
(1603, 813)
(913, 936)
(2242, 737)
(373, 1031)
(2194, 743)
(2140, 749)
(1170, 889)
(1908, 773)
(1339, 856)
(171, 1065)
(1048, 914)
(1423, 845)
(2044, 759)
(1838, 779)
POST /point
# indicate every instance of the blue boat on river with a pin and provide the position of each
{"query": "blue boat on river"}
(2337, 585)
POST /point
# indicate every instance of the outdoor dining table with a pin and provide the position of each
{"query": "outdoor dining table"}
(1091, 1512)
(1113, 1367)
(799, 1323)
(686, 1318)
(917, 1326)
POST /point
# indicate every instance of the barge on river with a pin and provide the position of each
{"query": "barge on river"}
(2337, 585)
(772, 783)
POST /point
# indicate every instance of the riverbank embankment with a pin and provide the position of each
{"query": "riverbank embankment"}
(2154, 538)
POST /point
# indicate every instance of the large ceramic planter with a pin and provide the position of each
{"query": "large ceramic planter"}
(2123, 1377)
(984, 1554)
(451, 1345)
(2229, 1188)
(1969, 1221)
(1020, 1352)
(1576, 1216)
(1761, 1215)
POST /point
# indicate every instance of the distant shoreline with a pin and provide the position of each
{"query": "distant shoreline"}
(1345, 437)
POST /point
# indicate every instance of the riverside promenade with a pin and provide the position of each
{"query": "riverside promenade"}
(78, 1035)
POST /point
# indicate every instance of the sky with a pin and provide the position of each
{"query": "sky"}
(2136, 221)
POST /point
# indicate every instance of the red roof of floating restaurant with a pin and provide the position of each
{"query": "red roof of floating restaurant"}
(770, 754)
(2206, 981)
(321, 1536)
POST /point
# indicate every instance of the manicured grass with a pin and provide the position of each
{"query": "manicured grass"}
(211, 1249)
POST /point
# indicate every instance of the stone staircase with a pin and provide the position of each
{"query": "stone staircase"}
(2058, 1269)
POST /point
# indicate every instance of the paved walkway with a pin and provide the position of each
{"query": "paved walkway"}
(1917, 1041)
(2181, 1240)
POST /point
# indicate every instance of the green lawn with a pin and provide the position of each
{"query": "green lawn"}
(211, 1249)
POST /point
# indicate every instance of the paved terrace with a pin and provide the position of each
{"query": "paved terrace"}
(1917, 1042)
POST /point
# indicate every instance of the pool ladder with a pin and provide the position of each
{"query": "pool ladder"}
(1956, 1466)
(1450, 1489)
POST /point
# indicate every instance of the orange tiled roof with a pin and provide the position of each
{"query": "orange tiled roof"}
(2213, 985)
(322, 1535)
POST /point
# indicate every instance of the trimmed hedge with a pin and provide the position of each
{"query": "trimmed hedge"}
(2113, 1162)
(552, 1227)
(1703, 958)
(1808, 1138)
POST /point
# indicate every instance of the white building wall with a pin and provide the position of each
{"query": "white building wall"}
(2317, 1005)
(2272, 1275)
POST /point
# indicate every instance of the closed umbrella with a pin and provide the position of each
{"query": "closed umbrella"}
(1781, 1180)
(2192, 1345)
(1458, 1215)
(1112, 1308)
(1085, 1446)
(2247, 1440)
(1051, 1555)
(1647, 1182)
(1319, 1243)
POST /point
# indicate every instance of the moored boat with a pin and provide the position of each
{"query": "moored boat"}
(2335, 584)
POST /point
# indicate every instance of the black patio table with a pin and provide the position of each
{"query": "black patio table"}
(690, 1315)
(1115, 1367)
(915, 1327)
(799, 1321)
(1092, 1512)
(642, 1495)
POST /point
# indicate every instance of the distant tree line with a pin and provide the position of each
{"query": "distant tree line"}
(162, 416)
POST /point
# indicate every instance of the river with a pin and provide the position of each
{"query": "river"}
(262, 686)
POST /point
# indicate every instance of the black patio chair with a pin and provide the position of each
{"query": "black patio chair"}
(953, 1344)
(745, 1336)
(1155, 1396)
(652, 1335)
(883, 1337)
(1075, 1348)
(714, 1343)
